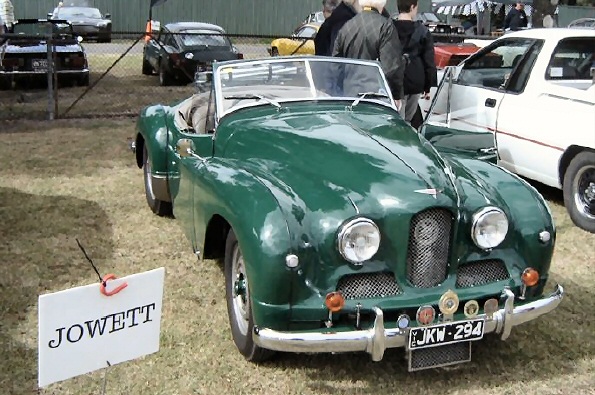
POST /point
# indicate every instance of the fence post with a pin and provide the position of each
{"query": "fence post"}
(50, 73)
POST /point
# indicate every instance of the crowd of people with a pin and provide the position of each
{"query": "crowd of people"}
(363, 29)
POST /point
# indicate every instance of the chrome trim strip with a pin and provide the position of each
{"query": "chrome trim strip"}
(83, 71)
(160, 187)
(377, 339)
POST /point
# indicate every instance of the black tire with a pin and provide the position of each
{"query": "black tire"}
(165, 79)
(83, 80)
(5, 83)
(274, 51)
(239, 303)
(147, 68)
(159, 207)
(579, 190)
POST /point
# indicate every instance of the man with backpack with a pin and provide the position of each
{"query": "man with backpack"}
(418, 51)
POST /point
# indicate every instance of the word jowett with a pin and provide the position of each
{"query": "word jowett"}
(97, 327)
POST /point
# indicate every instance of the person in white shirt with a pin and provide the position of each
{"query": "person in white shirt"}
(7, 14)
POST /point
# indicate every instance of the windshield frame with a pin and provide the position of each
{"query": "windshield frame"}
(219, 66)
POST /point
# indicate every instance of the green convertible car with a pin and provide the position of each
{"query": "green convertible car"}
(341, 228)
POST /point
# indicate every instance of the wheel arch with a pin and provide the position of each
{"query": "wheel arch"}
(567, 157)
(215, 237)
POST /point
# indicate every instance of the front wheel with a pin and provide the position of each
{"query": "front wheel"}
(579, 190)
(239, 305)
(159, 207)
(147, 68)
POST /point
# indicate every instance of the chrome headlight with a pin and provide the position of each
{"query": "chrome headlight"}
(359, 240)
(490, 226)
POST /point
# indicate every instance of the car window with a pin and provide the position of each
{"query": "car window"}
(194, 38)
(572, 59)
(492, 66)
(167, 38)
(73, 12)
(520, 75)
(305, 32)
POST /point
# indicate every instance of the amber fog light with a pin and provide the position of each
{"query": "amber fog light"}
(530, 277)
(334, 301)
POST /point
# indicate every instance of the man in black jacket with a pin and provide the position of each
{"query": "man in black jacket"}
(369, 35)
(327, 34)
(516, 18)
(418, 48)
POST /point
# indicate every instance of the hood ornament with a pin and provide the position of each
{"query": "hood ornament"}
(432, 191)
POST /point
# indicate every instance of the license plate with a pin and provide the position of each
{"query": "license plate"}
(39, 64)
(447, 333)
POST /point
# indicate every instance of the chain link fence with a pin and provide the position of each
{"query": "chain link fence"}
(124, 75)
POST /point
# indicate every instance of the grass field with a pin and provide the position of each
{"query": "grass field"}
(77, 179)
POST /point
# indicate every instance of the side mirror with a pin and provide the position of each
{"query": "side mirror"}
(108, 16)
(50, 14)
(185, 148)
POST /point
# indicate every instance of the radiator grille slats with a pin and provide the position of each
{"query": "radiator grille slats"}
(434, 357)
(368, 285)
(429, 244)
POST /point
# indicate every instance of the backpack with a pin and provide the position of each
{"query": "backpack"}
(413, 47)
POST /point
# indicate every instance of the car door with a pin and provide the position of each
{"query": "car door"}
(302, 41)
(153, 48)
(536, 124)
(189, 150)
(464, 114)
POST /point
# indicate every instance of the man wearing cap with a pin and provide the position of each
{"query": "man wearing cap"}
(516, 18)
(370, 35)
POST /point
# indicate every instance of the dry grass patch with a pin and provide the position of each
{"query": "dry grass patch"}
(73, 179)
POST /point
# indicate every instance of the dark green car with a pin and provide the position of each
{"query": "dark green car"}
(342, 229)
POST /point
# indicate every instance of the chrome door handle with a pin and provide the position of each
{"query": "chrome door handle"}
(490, 103)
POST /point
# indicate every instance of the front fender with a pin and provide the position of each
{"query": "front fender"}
(222, 188)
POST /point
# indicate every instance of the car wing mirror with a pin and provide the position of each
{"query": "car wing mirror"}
(50, 14)
(108, 16)
(186, 148)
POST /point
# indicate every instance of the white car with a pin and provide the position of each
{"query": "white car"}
(528, 100)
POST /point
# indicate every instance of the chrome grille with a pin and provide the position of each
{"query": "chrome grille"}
(482, 272)
(429, 242)
(435, 357)
(368, 285)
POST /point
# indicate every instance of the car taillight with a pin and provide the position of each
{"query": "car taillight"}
(10, 62)
(77, 60)
(175, 58)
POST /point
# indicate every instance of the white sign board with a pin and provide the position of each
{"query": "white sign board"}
(81, 330)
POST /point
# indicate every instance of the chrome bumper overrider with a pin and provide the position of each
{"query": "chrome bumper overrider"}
(377, 339)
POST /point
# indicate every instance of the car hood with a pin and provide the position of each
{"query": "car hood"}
(339, 161)
(36, 47)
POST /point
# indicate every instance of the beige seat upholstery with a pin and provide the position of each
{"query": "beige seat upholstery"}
(192, 113)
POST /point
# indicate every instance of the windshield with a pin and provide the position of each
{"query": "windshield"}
(428, 17)
(41, 29)
(81, 12)
(194, 38)
(247, 83)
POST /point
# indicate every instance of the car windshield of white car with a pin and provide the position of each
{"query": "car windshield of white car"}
(282, 80)
(78, 12)
(203, 38)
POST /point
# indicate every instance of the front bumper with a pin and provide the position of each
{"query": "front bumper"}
(377, 339)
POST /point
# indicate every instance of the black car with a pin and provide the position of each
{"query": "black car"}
(87, 22)
(435, 25)
(25, 57)
(177, 51)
